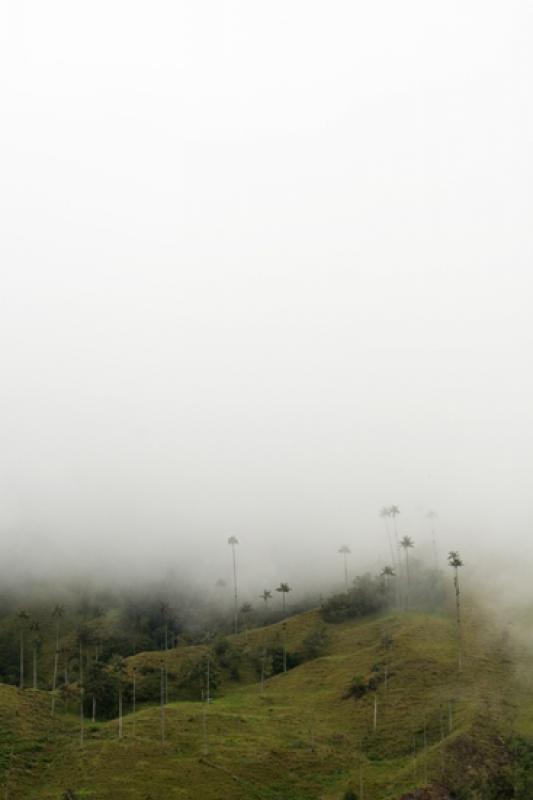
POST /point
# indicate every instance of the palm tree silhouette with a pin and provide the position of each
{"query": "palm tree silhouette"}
(387, 573)
(233, 541)
(385, 515)
(266, 596)
(284, 588)
(393, 512)
(345, 551)
(455, 561)
(407, 543)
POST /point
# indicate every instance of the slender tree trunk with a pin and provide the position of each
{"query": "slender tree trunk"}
(208, 681)
(81, 717)
(263, 672)
(134, 700)
(162, 719)
(458, 612)
(235, 601)
(94, 709)
(345, 571)
(34, 667)
(81, 665)
(204, 729)
(21, 671)
(120, 729)
(166, 667)
(56, 664)
(389, 539)
(407, 579)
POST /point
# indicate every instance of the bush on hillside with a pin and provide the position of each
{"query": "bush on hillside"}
(315, 643)
(367, 596)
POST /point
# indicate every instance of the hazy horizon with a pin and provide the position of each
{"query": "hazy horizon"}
(264, 271)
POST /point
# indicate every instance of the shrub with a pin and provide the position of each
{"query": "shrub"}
(315, 643)
(367, 596)
(358, 688)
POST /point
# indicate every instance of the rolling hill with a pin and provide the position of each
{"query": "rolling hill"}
(379, 706)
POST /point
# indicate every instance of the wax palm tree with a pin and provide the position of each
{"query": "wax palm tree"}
(393, 513)
(385, 515)
(23, 617)
(57, 614)
(284, 588)
(266, 596)
(455, 562)
(36, 646)
(407, 543)
(246, 610)
(345, 551)
(387, 573)
(233, 542)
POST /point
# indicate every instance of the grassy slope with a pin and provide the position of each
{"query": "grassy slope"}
(301, 739)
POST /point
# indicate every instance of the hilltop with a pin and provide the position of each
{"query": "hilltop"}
(307, 733)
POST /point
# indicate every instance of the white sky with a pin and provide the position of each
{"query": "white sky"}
(265, 267)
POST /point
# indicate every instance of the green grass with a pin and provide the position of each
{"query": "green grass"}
(302, 738)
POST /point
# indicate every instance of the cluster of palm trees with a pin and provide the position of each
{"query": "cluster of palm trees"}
(265, 596)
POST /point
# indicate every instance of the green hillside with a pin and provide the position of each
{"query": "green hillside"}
(309, 733)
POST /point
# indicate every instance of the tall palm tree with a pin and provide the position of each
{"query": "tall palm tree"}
(284, 588)
(345, 551)
(246, 610)
(394, 512)
(57, 614)
(266, 596)
(407, 543)
(36, 645)
(385, 515)
(387, 573)
(455, 561)
(23, 617)
(233, 541)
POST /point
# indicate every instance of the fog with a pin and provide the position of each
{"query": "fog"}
(264, 269)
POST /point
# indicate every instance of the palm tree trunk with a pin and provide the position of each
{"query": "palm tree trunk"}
(458, 612)
(120, 712)
(234, 588)
(345, 571)
(162, 718)
(407, 579)
(81, 716)
(389, 539)
(134, 692)
(56, 664)
(21, 673)
(166, 668)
